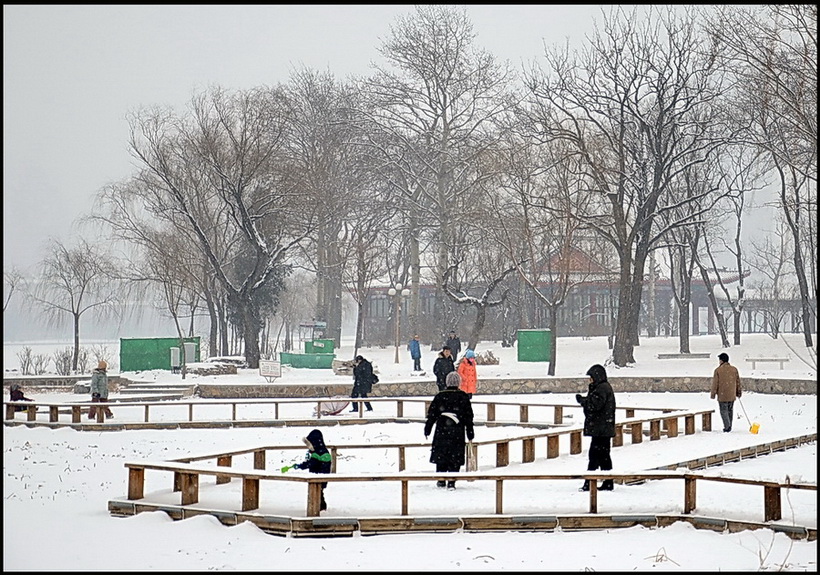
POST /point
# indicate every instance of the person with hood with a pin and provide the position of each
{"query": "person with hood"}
(599, 423)
(467, 371)
(99, 390)
(317, 459)
(726, 386)
(443, 365)
(16, 394)
(362, 381)
(451, 411)
(454, 343)
(414, 347)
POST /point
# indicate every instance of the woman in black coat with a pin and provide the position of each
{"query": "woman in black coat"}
(452, 414)
(599, 422)
(362, 381)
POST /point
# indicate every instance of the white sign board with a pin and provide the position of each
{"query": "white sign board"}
(270, 368)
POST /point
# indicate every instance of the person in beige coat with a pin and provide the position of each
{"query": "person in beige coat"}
(726, 386)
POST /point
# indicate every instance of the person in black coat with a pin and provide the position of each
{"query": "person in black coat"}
(16, 394)
(454, 343)
(362, 381)
(452, 413)
(317, 459)
(599, 422)
(443, 365)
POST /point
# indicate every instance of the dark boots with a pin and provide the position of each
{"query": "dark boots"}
(606, 485)
(585, 486)
(451, 485)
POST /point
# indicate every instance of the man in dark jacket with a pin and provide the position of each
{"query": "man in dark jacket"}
(362, 381)
(599, 422)
(452, 413)
(317, 459)
(454, 343)
(443, 365)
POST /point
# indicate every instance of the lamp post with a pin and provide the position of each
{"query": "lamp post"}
(399, 293)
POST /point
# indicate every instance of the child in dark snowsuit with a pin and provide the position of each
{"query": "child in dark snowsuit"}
(317, 459)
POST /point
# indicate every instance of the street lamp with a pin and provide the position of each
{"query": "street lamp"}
(399, 293)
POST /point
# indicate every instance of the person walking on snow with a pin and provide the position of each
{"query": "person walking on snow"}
(442, 366)
(454, 343)
(599, 422)
(467, 371)
(452, 414)
(99, 390)
(362, 381)
(414, 347)
(726, 386)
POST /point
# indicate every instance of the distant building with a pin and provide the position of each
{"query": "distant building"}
(590, 309)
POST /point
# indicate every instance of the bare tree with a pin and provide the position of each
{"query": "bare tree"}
(364, 243)
(323, 144)
(12, 281)
(228, 157)
(639, 106)
(73, 281)
(539, 190)
(739, 174)
(433, 114)
(772, 50)
(773, 260)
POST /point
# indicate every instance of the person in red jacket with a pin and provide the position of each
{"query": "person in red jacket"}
(467, 371)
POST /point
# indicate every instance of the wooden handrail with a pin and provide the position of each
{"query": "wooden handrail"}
(186, 477)
(75, 409)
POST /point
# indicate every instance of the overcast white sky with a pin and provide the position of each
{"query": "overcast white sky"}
(72, 73)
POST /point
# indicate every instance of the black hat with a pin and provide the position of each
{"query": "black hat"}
(724, 357)
(597, 373)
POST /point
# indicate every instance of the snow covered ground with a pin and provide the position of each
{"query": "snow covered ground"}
(57, 484)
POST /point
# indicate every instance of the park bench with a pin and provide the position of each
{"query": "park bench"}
(755, 360)
(684, 355)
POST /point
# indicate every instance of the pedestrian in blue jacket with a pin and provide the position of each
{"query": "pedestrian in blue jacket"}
(414, 347)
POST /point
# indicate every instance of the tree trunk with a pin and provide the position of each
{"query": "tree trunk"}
(683, 325)
(76, 355)
(415, 284)
(359, 327)
(223, 327)
(553, 324)
(736, 323)
(213, 330)
(650, 327)
(720, 318)
(475, 333)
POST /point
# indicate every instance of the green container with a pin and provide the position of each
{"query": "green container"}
(140, 354)
(307, 360)
(534, 345)
(319, 346)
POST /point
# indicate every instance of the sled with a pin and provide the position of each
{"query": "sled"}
(334, 406)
